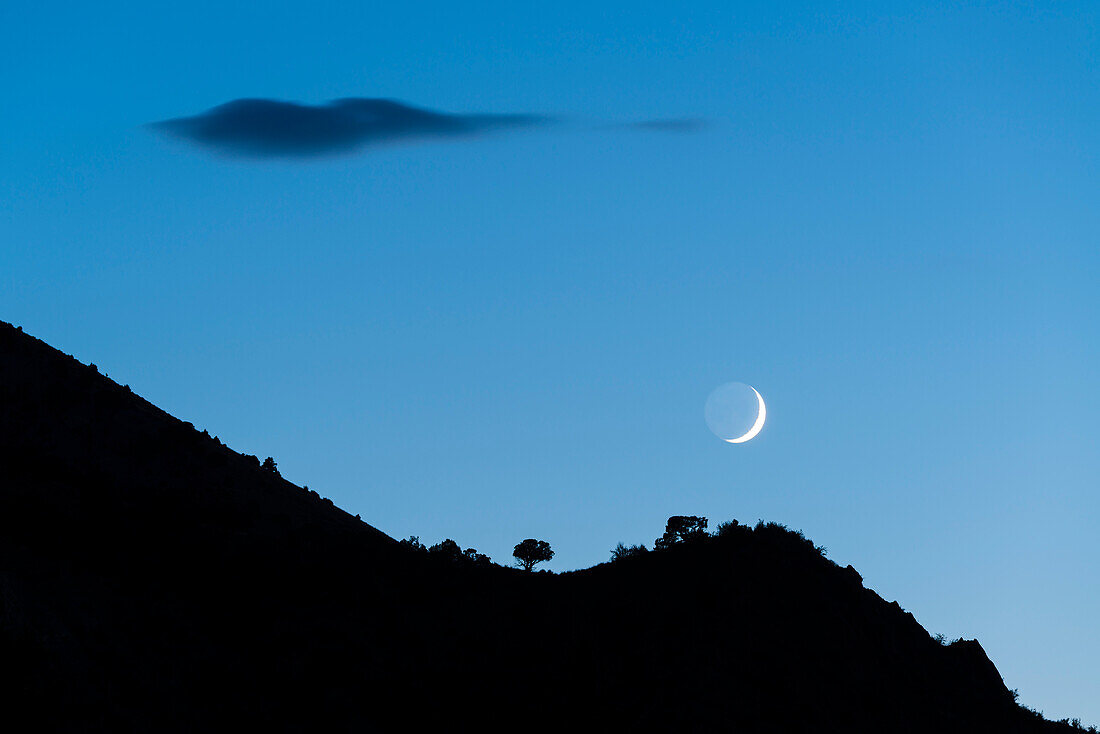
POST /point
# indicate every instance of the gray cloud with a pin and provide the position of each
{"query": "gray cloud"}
(270, 128)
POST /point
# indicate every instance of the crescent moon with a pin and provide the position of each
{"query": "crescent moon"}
(761, 414)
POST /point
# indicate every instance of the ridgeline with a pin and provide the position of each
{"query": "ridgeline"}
(152, 579)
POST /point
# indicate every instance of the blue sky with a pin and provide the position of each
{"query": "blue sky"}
(888, 226)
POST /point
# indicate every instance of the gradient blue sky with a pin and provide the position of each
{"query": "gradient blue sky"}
(890, 228)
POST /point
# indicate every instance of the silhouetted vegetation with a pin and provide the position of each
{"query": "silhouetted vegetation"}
(781, 533)
(728, 528)
(530, 552)
(472, 556)
(621, 551)
(451, 551)
(447, 550)
(681, 529)
(684, 529)
(270, 465)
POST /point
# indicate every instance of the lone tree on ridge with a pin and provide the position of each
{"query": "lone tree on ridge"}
(532, 551)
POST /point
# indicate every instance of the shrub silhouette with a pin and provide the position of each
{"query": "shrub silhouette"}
(729, 527)
(781, 534)
(447, 549)
(681, 529)
(532, 551)
(478, 559)
(626, 551)
(270, 465)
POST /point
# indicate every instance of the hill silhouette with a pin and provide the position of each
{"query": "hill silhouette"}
(152, 579)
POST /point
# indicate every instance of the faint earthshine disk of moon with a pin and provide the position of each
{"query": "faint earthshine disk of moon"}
(735, 412)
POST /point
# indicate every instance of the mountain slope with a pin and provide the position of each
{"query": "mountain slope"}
(154, 580)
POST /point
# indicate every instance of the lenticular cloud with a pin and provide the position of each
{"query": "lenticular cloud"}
(273, 128)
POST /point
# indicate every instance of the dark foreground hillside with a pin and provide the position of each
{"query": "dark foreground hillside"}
(153, 580)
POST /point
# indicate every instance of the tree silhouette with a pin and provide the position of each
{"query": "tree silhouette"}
(532, 551)
(270, 465)
(681, 529)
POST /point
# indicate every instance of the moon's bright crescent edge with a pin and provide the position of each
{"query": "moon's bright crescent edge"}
(761, 414)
